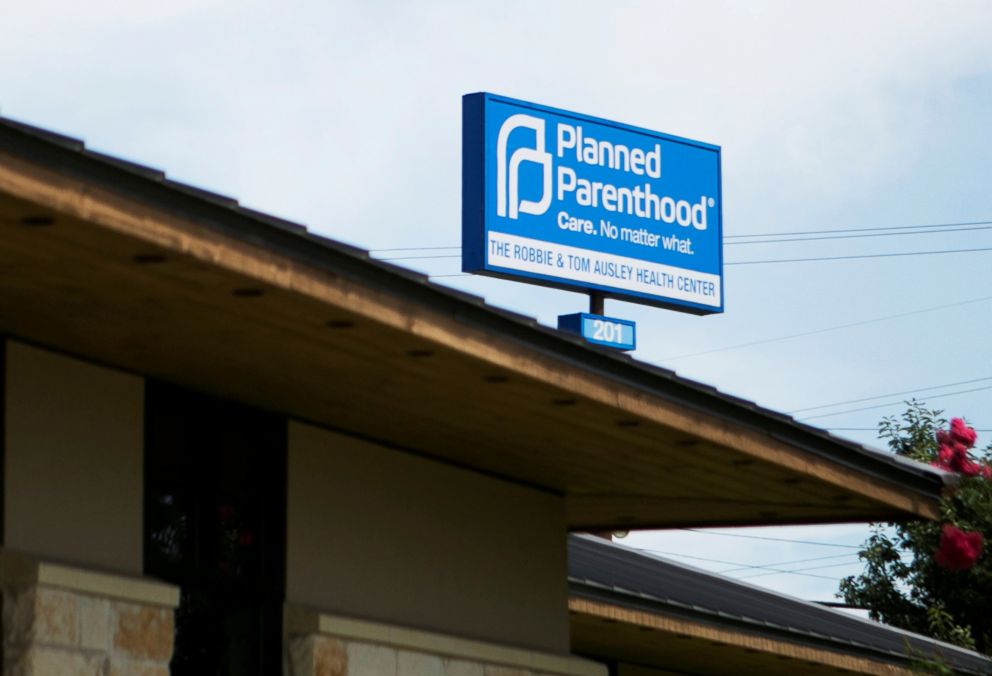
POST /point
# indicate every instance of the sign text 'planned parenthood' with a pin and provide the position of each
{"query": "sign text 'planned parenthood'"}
(576, 202)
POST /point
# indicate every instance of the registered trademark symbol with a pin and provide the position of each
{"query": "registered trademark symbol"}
(711, 201)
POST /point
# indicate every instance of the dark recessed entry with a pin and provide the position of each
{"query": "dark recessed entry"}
(214, 526)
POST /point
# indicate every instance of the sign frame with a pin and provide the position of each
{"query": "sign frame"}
(476, 205)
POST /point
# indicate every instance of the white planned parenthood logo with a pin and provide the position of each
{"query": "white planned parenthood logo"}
(507, 181)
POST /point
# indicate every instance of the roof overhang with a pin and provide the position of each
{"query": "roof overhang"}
(114, 263)
(691, 645)
(631, 606)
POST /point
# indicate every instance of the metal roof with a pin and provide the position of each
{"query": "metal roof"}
(611, 572)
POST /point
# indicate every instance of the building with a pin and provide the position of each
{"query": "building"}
(236, 445)
(651, 616)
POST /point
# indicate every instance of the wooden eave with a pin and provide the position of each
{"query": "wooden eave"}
(685, 645)
(113, 263)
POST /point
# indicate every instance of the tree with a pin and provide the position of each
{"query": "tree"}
(933, 578)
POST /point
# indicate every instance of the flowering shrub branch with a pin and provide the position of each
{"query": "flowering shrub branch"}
(954, 445)
(934, 577)
(959, 550)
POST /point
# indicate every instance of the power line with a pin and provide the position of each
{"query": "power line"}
(768, 234)
(860, 236)
(418, 258)
(859, 256)
(894, 403)
(731, 563)
(799, 571)
(891, 394)
(854, 429)
(757, 262)
(762, 262)
(738, 346)
(828, 232)
(786, 563)
(414, 248)
(875, 429)
(769, 538)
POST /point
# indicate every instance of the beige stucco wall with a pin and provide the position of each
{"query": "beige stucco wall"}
(73, 442)
(379, 534)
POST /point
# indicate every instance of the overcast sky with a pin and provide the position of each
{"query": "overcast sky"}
(832, 116)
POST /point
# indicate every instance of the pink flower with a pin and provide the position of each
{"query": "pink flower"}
(969, 467)
(949, 453)
(963, 434)
(951, 457)
(952, 454)
(958, 549)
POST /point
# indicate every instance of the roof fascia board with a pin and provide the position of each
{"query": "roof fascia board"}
(729, 631)
(106, 195)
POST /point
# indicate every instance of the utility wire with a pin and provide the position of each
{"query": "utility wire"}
(756, 262)
(765, 234)
(731, 563)
(769, 539)
(894, 254)
(875, 429)
(775, 260)
(858, 256)
(785, 239)
(829, 232)
(785, 563)
(418, 258)
(738, 346)
(891, 394)
(894, 403)
(413, 248)
(861, 236)
(798, 571)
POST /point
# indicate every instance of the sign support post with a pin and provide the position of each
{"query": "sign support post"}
(597, 303)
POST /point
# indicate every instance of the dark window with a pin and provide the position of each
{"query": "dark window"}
(215, 476)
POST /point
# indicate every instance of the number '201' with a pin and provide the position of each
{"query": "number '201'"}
(607, 331)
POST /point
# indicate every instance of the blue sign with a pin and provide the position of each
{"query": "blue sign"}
(609, 331)
(576, 202)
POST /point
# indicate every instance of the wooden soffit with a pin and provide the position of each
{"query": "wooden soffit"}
(121, 268)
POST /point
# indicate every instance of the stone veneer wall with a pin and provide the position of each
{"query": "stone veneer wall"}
(61, 621)
(319, 644)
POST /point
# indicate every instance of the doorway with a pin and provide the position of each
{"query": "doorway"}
(214, 525)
